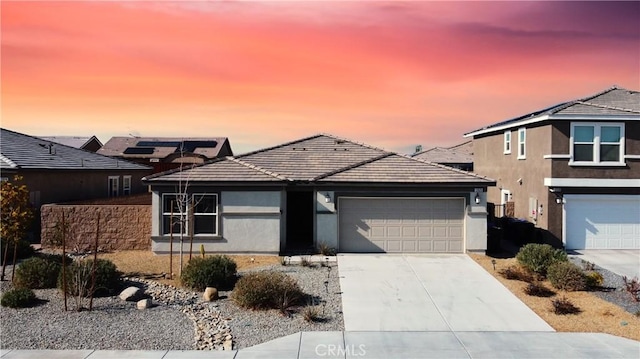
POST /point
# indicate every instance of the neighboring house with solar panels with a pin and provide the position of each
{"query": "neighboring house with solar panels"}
(87, 143)
(56, 173)
(165, 153)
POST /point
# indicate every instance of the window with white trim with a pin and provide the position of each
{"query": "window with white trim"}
(114, 189)
(196, 212)
(597, 143)
(522, 143)
(507, 142)
(126, 185)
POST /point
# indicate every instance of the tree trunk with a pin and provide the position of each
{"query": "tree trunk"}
(93, 267)
(171, 243)
(4, 261)
(15, 258)
(64, 265)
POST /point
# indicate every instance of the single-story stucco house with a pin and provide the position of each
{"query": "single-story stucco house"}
(321, 190)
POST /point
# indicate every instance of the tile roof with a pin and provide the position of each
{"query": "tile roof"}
(22, 151)
(322, 159)
(462, 153)
(611, 102)
(163, 147)
(71, 141)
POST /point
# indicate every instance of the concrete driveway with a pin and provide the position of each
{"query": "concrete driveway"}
(625, 262)
(428, 293)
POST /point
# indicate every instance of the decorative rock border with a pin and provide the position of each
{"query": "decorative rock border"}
(212, 332)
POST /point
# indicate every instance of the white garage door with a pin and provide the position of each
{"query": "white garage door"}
(602, 221)
(418, 225)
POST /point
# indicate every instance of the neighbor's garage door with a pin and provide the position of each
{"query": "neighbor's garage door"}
(418, 225)
(602, 221)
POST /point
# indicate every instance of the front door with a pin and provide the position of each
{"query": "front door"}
(300, 220)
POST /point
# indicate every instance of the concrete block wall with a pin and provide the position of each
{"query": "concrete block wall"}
(121, 227)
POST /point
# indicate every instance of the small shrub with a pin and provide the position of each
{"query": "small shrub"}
(78, 276)
(632, 286)
(267, 290)
(37, 273)
(538, 257)
(593, 279)
(566, 276)
(25, 250)
(588, 266)
(564, 306)
(517, 273)
(312, 313)
(56, 258)
(538, 290)
(18, 298)
(215, 271)
(326, 250)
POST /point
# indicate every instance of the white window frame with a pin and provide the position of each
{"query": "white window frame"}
(126, 185)
(522, 143)
(195, 199)
(597, 128)
(507, 142)
(189, 215)
(113, 191)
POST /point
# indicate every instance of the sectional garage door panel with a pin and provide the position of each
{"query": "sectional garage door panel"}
(602, 221)
(401, 225)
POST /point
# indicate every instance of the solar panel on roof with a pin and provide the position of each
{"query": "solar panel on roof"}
(190, 146)
(139, 151)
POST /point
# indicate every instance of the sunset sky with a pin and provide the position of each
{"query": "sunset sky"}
(390, 74)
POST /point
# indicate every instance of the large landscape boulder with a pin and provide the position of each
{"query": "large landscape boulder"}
(132, 294)
(210, 294)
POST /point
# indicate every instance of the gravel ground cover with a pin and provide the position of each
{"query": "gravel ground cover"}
(177, 325)
(612, 288)
(254, 327)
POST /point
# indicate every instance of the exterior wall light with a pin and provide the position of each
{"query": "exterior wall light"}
(477, 199)
(327, 197)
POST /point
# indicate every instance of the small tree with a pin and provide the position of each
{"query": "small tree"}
(16, 217)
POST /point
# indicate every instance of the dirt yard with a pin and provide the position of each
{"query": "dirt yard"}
(598, 315)
(148, 265)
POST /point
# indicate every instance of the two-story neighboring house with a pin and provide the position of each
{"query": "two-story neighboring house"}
(56, 173)
(573, 169)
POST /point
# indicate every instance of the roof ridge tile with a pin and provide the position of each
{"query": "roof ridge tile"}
(258, 168)
(352, 166)
(607, 107)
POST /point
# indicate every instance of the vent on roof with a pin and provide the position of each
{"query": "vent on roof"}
(299, 148)
(139, 151)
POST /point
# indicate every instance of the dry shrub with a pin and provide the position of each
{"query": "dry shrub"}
(566, 276)
(564, 306)
(267, 290)
(538, 290)
(514, 272)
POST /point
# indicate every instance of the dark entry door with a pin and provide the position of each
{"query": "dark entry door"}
(300, 220)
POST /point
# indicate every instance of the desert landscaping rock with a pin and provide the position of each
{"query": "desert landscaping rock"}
(144, 304)
(210, 294)
(131, 294)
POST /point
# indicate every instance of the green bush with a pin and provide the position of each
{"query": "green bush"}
(215, 271)
(267, 290)
(78, 277)
(538, 257)
(18, 298)
(57, 258)
(25, 250)
(566, 276)
(37, 273)
(594, 279)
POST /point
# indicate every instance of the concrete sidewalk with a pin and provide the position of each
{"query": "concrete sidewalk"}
(383, 345)
(448, 292)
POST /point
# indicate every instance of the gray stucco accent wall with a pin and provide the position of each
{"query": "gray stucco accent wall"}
(250, 222)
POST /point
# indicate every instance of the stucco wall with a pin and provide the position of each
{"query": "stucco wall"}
(121, 227)
(476, 223)
(326, 219)
(507, 169)
(250, 222)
